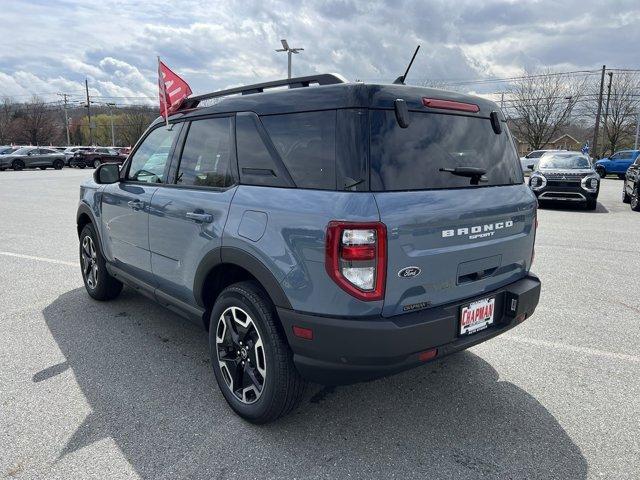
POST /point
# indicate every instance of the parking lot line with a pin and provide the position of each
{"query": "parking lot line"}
(572, 348)
(40, 259)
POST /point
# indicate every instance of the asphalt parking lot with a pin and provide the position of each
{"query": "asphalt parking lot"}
(124, 389)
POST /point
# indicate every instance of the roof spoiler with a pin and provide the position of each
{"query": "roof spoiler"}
(297, 82)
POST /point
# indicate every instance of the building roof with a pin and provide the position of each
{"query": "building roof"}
(562, 136)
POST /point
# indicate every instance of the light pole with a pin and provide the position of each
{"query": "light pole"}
(113, 137)
(289, 50)
(66, 117)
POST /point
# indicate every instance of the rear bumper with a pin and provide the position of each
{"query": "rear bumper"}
(345, 351)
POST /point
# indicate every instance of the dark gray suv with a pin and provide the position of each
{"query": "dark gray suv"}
(329, 231)
(33, 157)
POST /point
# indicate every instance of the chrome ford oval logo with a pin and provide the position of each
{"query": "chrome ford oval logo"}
(407, 272)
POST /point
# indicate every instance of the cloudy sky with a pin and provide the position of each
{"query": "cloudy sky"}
(50, 46)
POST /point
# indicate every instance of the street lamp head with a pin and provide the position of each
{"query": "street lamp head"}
(285, 45)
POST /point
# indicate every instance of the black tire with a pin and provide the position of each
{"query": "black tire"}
(81, 164)
(58, 164)
(96, 163)
(592, 204)
(600, 170)
(621, 176)
(625, 196)
(635, 199)
(17, 165)
(104, 287)
(282, 387)
(42, 168)
(2, 169)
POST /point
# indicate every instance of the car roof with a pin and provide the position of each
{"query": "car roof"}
(336, 96)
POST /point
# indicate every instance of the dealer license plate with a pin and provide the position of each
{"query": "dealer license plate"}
(477, 316)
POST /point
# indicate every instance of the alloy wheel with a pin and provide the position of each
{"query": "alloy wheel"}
(241, 355)
(89, 262)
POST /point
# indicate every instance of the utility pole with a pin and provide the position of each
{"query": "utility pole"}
(66, 117)
(597, 126)
(86, 86)
(289, 50)
(605, 134)
(635, 145)
(113, 137)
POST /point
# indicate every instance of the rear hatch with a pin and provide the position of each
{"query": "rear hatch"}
(448, 239)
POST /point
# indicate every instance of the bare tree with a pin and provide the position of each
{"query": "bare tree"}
(134, 123)
(624, 104)
(6, 121)
(36, 123)
(540, 104)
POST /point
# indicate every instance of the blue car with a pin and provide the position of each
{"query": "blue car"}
(616, 164)
(333, 233)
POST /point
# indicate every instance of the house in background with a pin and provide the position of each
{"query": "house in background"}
(563, 142)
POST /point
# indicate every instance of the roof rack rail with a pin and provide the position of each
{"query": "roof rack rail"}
(296, 82)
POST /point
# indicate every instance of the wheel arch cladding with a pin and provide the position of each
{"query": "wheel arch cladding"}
(84, 217)
(224, 266)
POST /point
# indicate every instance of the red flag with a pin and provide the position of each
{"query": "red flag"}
(173, 90)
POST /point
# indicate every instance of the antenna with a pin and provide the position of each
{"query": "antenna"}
(400, 80)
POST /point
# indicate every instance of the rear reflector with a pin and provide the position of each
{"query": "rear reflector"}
(428, 355)
(304, 333)
(450, 105)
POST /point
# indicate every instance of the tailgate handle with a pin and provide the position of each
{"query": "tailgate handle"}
(475, 276)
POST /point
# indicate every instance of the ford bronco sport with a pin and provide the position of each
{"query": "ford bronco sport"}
(329, 231)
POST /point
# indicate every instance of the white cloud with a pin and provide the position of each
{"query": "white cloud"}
(216, 44)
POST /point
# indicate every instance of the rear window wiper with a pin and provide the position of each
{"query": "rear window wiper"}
(476, 174)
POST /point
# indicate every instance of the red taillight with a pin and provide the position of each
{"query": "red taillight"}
(356, 258)
(450, 105)
(360, 252)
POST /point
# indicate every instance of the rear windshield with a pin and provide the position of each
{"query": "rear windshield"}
(411, 158)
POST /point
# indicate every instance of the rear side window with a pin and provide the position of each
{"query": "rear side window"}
(411, 158)
(258, 165)
(206, 156)
(306, 143)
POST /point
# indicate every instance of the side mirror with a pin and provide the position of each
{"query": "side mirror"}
(107, 173)
(530, 167)
(402, 113)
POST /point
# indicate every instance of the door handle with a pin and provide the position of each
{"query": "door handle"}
(200, 217)
(135, 204)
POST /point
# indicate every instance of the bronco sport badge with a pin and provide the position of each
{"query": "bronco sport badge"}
(478, 231)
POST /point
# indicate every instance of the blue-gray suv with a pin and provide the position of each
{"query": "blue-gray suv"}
(325, 231)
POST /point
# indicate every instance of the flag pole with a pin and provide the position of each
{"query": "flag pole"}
(164, 93)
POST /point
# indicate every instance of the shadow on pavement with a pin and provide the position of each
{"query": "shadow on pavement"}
(146, 376)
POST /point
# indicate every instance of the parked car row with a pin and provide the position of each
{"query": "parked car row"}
(18, 158)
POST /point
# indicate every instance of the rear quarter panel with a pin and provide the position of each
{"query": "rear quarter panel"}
(292, 246)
